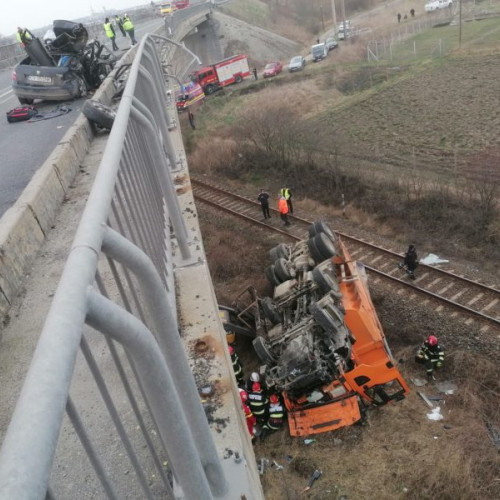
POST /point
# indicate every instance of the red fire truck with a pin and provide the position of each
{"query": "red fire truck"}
(230, 70)
(180, 4)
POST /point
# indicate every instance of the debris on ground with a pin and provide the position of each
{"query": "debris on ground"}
(435, 414)
(419, 382)
(429, 403)
(315, 476)
(309, 441)
(433, 259)
(59, 110)
(447, 387)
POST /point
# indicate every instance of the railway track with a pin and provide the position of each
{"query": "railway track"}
(472, 300)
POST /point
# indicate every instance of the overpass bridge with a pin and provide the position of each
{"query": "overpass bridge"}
(111, 405)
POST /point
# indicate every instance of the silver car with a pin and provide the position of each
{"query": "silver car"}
(297, 63)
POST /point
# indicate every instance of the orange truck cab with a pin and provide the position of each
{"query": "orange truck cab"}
(372, 377)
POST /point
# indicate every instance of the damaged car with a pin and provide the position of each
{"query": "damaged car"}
(61, 68)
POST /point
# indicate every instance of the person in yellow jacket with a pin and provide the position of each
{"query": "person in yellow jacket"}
(288, 197)
(129, 28)
(110, 32)
(23, 37)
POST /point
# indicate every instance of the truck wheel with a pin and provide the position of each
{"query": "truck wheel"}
(321, 227)
(238, 79)
(25, 100)
(311, 245)
(271, 275)
(326, 282)
(98, 113)
(280, 251)
(283, 270)
(262, 350)
(209, 89)
(325, 246)
(270, 311)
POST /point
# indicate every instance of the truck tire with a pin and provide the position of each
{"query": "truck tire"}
(325, 246)
(98, 113)
(280, 251)
(262, 350)
(321, 227)
(270, 311)
(271, 275)
(238, 79)
(25, 100)
(325, 282)
(311, 245)
(284, 271)
(209, 89)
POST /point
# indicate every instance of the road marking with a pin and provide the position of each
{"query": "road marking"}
(7, 100)
(5, 93)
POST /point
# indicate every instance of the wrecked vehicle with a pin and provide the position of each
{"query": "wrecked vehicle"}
(61, 68)
(319, 336)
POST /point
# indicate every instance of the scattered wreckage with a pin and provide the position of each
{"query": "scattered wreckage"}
(60, 68)
(319, 336)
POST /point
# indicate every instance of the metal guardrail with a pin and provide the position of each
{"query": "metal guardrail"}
(118, 280)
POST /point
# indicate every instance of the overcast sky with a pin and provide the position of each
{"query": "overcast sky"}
(33, 14)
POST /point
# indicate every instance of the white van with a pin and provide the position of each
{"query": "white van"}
(319, 51)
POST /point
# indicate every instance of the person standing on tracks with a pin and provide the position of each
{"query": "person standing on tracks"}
(128, 26)
(264, 203)
(410, 261)
(288, 197)
(283, 208)
(430, 354)
(110, 33)
(119, 23)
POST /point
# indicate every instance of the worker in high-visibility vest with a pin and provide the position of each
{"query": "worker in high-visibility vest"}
(129, 28)
(288, 197)
(23, 37)
(110, 32)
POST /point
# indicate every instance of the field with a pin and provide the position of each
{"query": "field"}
(414, 149)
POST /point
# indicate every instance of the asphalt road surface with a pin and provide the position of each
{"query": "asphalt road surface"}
(25, 146)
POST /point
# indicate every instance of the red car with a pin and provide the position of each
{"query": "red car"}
(272, 69)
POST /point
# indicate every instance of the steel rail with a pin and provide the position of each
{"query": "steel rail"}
(461, 307)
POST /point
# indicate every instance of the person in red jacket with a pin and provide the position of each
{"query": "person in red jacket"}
(283, 208)
(249, 416)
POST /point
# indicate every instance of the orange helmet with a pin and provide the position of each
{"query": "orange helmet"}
(243, 396)
(256, 387)
(231, 350)
(432, 340)
(273, 398)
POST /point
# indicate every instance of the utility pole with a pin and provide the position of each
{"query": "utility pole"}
(343, 19)
(322, 18)
(334, 17)
(460, 26)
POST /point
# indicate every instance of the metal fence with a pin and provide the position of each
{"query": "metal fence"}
(118, 281)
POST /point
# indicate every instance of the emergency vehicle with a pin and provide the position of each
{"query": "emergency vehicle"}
(230, 70)
(189, 94)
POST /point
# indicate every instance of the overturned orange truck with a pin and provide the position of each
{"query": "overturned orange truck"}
(319, 336)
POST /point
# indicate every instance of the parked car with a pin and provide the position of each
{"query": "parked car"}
(318, 52)
(62, 68)
(438, 4)
(297, 63)
(272, 69)
(331, 44)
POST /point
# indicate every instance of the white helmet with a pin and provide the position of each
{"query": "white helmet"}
(255, 377)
